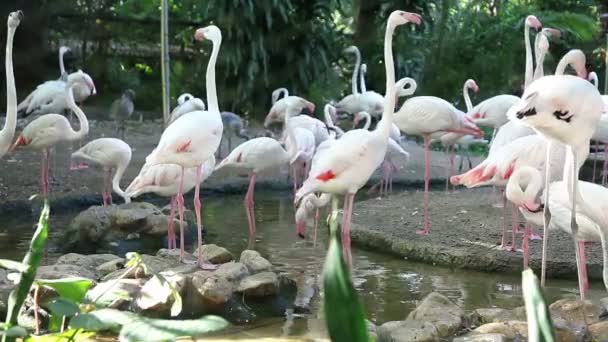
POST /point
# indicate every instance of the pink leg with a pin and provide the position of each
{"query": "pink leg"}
(346, 220)
(597, 147)
(316, 226)
(427, 178)
(525, 246)
(180, 211)
(448, 170)
(584, 264)
(451, 157)
(199, 220)
(514, 227)
(250, 205)
(104, 193)
(171, 231)
(503, 241)
(109, 191)
(44, 178)
(581, 269)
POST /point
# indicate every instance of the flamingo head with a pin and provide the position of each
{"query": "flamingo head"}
(210, 32)
(14, 19)
(471, 84)
(63, 50)
(351, 49)
(532, 21)
(183, 98)
(130, 93)
(550, 32)
(308, 105)
(401, 17)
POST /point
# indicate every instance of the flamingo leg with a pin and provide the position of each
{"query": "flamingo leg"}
(180, 212)
(346, 220)
(448, 169)
(597, 147)
(580, 271)
(503, 240)
(546, 217)
(427, 178)
(199, 220)
(110, 172)
(514, 227)
(250, 204)
(316, 226)
(525, 244)
(583, 255)
(605, 167)
(171, 230)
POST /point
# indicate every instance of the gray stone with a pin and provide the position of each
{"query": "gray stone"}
(90, 262)
(493, 315)
(254, 261)
(175, 255)
(110, 266)
(435, 308)
(575, 311)
(153, 264)
(519, 329)
(64, 271)
(211, 289)
(232, 271)
(599, 331)
(407, 331)
(259, 285)
(116, 294)
(215, 254)
(482, 338)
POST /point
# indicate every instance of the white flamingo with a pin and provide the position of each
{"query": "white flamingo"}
(346, 165)
(8, 131)
(278, 94)
(113, 156)
(308, 206)
(276, 114)
(64, 74)
(48, 130)
(194, 137)
(186, 103)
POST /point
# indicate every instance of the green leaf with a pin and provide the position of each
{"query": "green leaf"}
(16, 331)
(540, 326)
(102, 320)
(63, 307)
(343, 311)
(32, 259)
(151, 330)
(66, 336)
(13, 265)
(71, 288)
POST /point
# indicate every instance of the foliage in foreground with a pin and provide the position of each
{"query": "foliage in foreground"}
(86, 318)
(540, 326)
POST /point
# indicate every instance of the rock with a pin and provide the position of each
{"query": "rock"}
(157, 296)
(215, 254)
(519, 329)
(482, 338)
(372, 329)
(64, 271)
(175, 255)
(211, 289)
(259, 285)
(407, 331)
(116, 295)
(599, 331)
(90, 262)
(110, 266)
(254, 261)
(574, 311)
(493, 315)
(232, 271)
(154, 264)
(435, 308)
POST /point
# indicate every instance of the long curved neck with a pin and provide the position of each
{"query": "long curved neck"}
(61, 64)
(362, 80)
(285, 92)
(210, 81)
(120, 170)
(292, 149)
(82, 119)
(368, 120)
(467, 98)
(540, 58)
(529, 64)
(320, 201)
(8, 131)
(386, 123)
(563, 63)
(356, 71)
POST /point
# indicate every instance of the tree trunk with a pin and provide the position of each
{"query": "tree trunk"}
(165, 68)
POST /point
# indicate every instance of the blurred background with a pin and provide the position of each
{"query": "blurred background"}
(296, 44)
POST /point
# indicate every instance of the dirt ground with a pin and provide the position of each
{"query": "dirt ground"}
(465, 233)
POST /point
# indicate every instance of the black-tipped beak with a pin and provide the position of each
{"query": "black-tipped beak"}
(20, 15)
(301, 235)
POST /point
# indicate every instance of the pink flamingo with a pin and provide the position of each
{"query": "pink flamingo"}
(8, 131)
(308, 205)
(194, 137)
(114, 156)
(346, 165)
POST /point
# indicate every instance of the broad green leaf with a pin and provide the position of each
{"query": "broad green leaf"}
(152, 330)
(16, 331)
(540, 326)
(102, 320)
(343, 311)
(66, 336)
(13, 265)
(71, 288)
(63, 307)
(32, 259)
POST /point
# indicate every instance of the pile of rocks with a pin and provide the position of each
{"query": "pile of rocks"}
(436, 319)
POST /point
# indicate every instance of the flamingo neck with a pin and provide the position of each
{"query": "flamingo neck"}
(368, 120)
(563, 63)
(389, 63)
(210, 78)
(292, 148)
(64, 74)
(540, 58)
(320, 201)
(120, 170)
(362, 81)
(467, 98)
(529, 63)
(356, 71)
(8, 131)
(82, 119)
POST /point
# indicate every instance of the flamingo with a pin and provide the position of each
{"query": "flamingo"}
(122, 109)
(8, 131)
(62, 51)
(531, 21)
(304, 141)
(347, 164)
(567, 109)
(279, 108)
(541, 45)
(194, 137)
(48, 130)
(464, 143)
(186, 103)
(601, 135)
(279, 93)
(164, 180)
(310, 204)
(233, 126)
(113, 155)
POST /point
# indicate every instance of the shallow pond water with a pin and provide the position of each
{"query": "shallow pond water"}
(389, 287)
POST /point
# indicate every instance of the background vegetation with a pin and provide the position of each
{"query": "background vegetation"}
(293, 43)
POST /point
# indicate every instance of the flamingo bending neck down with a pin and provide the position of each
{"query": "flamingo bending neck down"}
(193, 138)
(347, 164)
(8, 131)
(48, 130)
(355, 50)
(310, 204)
(279, 93)
(62, 51)
(114, 156)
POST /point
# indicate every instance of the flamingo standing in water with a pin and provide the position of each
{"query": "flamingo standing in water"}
(310, 204)
(114, 156)
(8, 131)
(346, 165)
(164, 180)
(193, 138)
(567, 109)
(48, 130)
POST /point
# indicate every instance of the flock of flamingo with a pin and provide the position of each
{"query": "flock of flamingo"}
(541, 140)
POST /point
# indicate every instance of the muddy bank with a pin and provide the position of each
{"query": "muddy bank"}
(465, 233)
